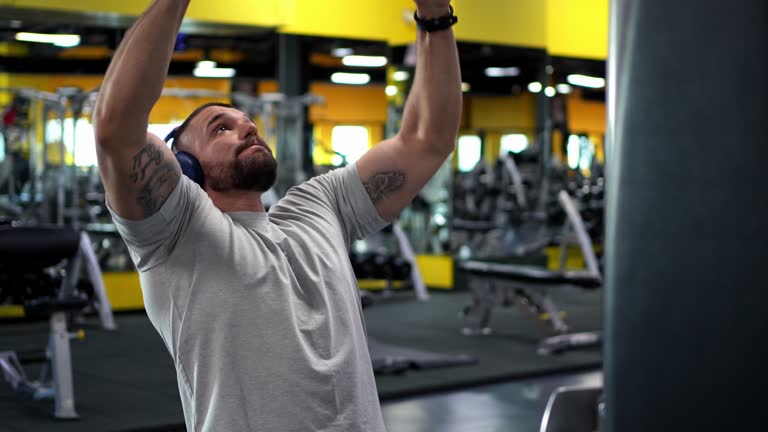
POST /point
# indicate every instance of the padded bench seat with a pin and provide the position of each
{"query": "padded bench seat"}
(26, 248)
(533, 274)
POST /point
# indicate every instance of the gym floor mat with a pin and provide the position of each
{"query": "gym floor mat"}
(508, 353)
(125, 381)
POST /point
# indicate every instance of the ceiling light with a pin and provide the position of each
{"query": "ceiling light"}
(350, 78)
(496, 72)
(534, 87)
(364, 61)
(206, 64)
(465, 87)
(563, 88)
(401, 76)
(586, 81)
(550, 91)
(342, 52)
(61, 40)
(214, 72)
(390, 90)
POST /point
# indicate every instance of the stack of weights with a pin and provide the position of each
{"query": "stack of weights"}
(380, 266)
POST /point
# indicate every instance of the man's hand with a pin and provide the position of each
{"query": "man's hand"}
(428, 9)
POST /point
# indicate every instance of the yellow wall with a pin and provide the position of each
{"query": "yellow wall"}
(167, 109)
(378, 20)
(323, 132)
(565, 27)
(497, 116)
(577, 28)
(345, 103)
(508, 112)
(262, 13)
(509, 22)
(585, 116)
(13, 49)
(174, 109)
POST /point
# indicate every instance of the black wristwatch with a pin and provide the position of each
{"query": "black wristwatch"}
(436, 24)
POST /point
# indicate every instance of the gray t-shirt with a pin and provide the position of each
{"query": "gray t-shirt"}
(261, 312)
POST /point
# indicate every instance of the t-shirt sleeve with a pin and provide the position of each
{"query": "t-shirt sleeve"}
(340, 192)
(152, 240)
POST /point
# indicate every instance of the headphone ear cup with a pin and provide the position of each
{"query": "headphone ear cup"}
(190, 167)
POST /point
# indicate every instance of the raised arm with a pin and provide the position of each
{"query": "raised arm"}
(396, 169)
(138, 169)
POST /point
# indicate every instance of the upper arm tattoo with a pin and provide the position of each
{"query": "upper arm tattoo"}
(153, 176)
(384, 183)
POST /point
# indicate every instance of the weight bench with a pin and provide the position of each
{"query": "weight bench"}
(501, 284)
(28, 256)
(56, 356)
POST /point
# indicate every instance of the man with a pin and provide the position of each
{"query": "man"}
(260, 312)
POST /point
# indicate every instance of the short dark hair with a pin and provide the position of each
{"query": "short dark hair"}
(179, 130)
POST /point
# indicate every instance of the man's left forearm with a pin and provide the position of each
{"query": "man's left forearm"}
(432, 113)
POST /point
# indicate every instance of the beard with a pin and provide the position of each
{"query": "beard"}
(256, 173)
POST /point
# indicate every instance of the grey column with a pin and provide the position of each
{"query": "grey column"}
(292, 136)
(544, 132)
(687, 218)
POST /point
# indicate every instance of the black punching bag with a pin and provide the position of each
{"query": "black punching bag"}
(686, 291)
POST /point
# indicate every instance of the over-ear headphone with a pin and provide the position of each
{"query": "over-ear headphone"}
(190, 166)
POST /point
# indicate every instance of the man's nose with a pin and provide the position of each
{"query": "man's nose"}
(248, 129)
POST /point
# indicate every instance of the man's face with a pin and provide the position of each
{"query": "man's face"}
(231, 152)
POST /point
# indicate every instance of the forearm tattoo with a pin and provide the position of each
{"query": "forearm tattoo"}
(384, 183)
(152, 174)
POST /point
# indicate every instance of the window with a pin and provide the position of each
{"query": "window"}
(514, 143)
(581, 151)
(81, 138)
(162, 130)
(470, 149)
(587, 153)
(573, 150)
(85, 148)
(350, 142)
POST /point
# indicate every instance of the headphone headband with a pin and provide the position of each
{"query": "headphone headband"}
(171, 135)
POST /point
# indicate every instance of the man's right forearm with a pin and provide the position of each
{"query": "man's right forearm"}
(135, 77)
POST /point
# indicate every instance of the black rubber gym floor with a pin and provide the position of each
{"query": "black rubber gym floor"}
(124, 380)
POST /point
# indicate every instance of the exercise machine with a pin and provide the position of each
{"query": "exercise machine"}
(31, 260)
(495, 284)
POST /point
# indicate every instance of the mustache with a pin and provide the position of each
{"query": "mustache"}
(251, 140)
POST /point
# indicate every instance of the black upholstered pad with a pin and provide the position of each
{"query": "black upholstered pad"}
(531, 274)
(24, 248)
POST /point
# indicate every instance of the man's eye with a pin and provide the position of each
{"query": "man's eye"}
(221, 129)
